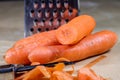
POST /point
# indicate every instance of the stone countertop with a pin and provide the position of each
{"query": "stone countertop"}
(109, 67)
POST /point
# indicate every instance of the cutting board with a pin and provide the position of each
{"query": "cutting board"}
(109, 67)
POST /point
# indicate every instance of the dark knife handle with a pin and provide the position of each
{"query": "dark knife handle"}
(27, 68)
(6, 70)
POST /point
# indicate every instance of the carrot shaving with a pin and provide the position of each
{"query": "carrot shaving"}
(59, 67)
(35, 63)
(44, 71)
(37, 73)
(71, 71)
(60, 60)
(58, 73)
(95, 61)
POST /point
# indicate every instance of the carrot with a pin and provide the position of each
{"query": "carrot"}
(91, 45)
(18, 54)
(45, 54)
(41, 39)
(88, 74)
(75, 30)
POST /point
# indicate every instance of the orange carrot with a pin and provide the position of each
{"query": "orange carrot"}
(18, 54)
(41, 39)
(88, 74)
(75, 30)
(45, 54)
(91, 45)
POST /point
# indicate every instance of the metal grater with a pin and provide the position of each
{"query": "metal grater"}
(45, 15)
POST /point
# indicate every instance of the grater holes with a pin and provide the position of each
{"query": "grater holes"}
(39, 13)
(35, 4)
(32, 13)
(51, 20)
(70, 10)
(61, 11)
(32, 29)
(47, 13)
(43, 5)
(42, 1)
(59, 20)
(55, 13)
(55, 28)
(58, 4)
(57, 1)
(39, 29)
(47, 29)
(35, 22)
(55, 10)
(50, 3)
(66, 4)
(66, 20)
(43, 20)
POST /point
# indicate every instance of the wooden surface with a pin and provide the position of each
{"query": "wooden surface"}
(109, 67)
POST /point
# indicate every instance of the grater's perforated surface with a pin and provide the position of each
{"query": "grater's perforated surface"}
(45, 15)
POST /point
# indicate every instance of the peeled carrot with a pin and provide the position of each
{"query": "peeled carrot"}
(88, 74)
(91, 45)
(45, 54)
(75, 30)
(41, 39)
(18, 54)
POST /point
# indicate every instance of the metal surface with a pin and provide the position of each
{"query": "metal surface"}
(41, 15)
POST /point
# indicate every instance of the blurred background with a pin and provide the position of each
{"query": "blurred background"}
(106, 13)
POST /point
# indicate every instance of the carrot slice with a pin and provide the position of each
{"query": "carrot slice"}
(91, 45)
(37, 73)
(88, 74)
(59, 60)
(75, 30)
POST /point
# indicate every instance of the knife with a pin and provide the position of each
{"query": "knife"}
(20, 68)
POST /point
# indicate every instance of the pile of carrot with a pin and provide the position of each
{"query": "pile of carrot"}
(58, 73)
(73, 41)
